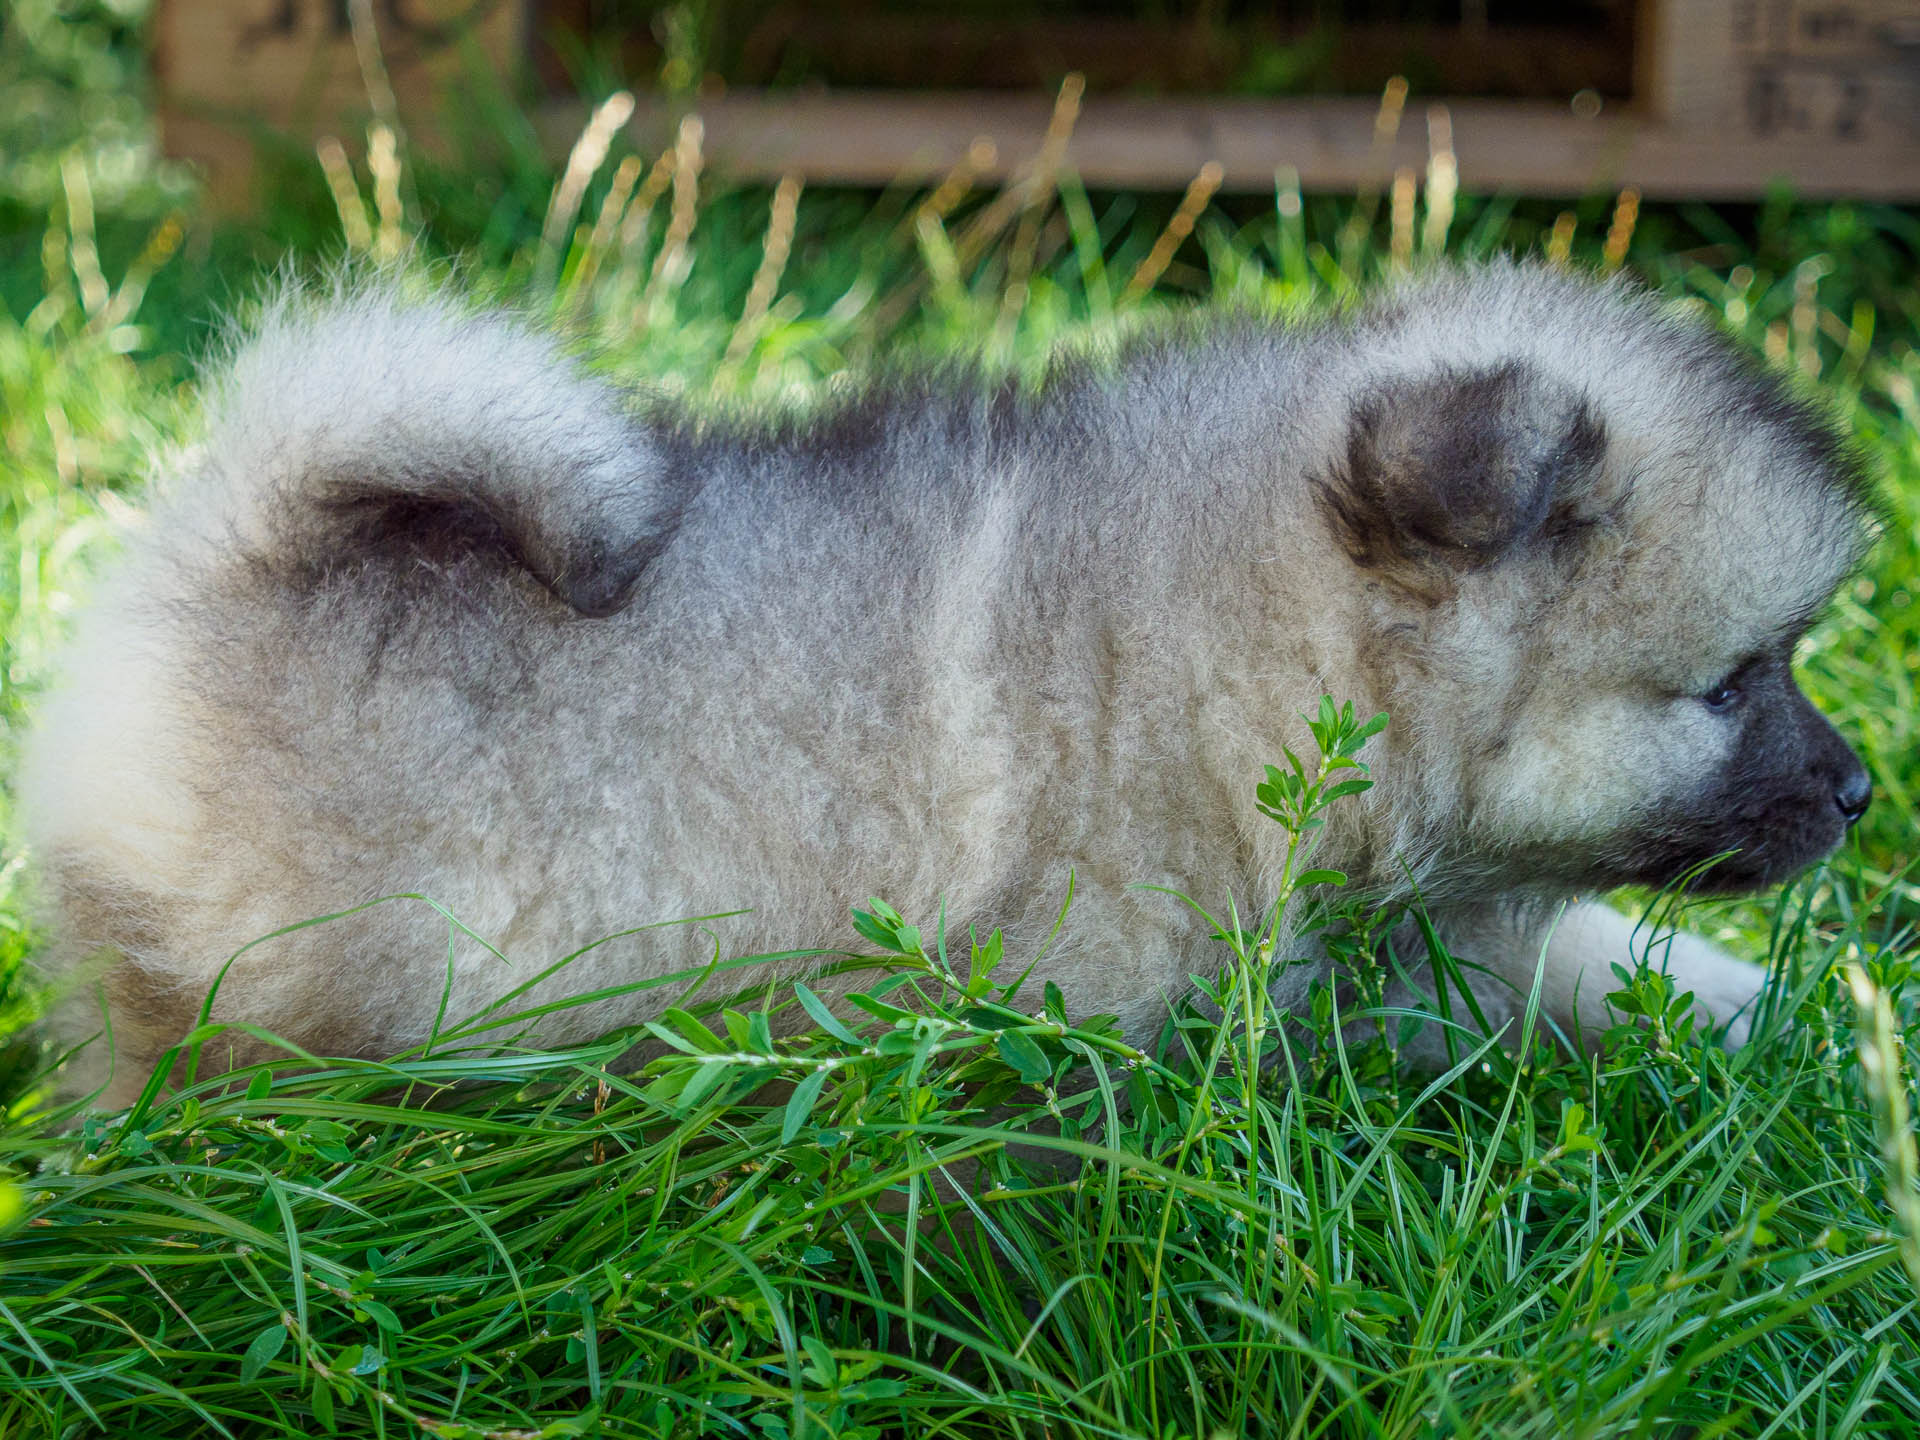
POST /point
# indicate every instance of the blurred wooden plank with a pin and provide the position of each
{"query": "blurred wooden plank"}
(1536, 148)
(1734, 95)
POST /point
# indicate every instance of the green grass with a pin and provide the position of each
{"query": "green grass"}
(963, 1215)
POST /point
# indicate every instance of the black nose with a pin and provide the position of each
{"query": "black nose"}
(1854, 794)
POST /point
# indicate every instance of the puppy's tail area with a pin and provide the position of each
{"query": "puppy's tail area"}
(365, 421)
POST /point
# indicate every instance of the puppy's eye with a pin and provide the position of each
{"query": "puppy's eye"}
(1722, 697)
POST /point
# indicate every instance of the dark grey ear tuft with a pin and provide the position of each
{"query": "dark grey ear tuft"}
(1456, 471)
(590, 545)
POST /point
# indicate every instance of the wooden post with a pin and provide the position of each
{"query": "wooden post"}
(1844, 73)
(229, 69)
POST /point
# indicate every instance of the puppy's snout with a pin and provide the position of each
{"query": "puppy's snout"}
(1831, 761)
(1854, 792)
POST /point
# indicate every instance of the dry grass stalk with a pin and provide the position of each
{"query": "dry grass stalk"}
(1626, 214)
(633, 225)
(600, 240)
(1287, 201)
(159, 248)
(949, 258)
(383, 159)
(1037, 185)
(1066, 113)
(346, 194)
(82, 249)
(1400, 212)
(942, 266)
(1041, 189)
(1443, 179)
(583, 163)
(1199, 192)
(1904, 394)
(671, 264)
(601, 1094)
(1805, 317)
(373, 65)
(1777, 346)
(1386, 129)
(990, 223)
(1386, 120)
(1883, 1071)
(1560, 242)
(766, 279)
(1739, 281)
(959, 180)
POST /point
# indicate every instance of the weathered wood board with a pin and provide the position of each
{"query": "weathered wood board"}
(1839, 73)
(1527, 147)
(1731, 96)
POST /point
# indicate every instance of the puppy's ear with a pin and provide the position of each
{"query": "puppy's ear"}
(1456, 471)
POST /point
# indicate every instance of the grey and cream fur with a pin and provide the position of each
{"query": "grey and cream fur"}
(431, 611)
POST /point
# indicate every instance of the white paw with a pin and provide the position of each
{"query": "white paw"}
(1726, 989)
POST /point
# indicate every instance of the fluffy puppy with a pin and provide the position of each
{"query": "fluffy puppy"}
(429, 610)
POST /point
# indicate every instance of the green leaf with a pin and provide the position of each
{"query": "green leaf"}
(978, 1017)
(1627, 1002)
(323, 1405)
(759, 1033)
(822, 1366)
(262, 1351)
(879, 1388)
(260, 1086)
(1322, 877)
(667, 1037)
(1024, 1055)
(885, 928)
(705, 1079)
(882, 1011)
(823, 1017)
(873, 930)
(986, 959)
(381, 1315)
(805, 1096)
(696, 1033)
